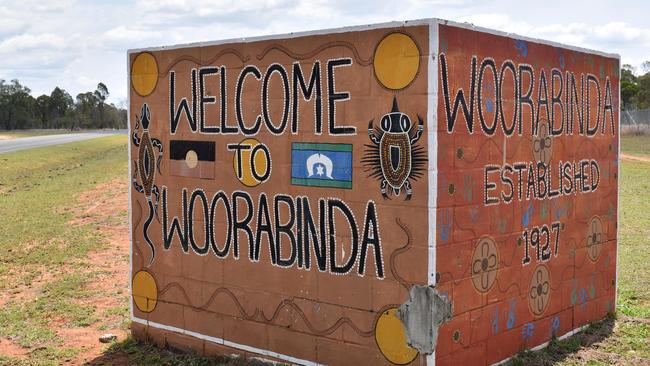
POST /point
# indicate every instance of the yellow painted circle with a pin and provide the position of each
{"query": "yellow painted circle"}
(145, 291)
(261, 164)
(396, 62)
(144, 74)
(191, 159)
(391, 339)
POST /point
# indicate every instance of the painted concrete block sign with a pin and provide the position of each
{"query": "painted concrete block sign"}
(405, 193)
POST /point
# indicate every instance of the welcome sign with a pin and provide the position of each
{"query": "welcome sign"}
(403, 193)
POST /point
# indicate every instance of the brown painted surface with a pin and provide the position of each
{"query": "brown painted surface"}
(236, 298)
(481, 246)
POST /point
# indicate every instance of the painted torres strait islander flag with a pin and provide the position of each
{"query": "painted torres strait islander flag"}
(321, 165)
(191, 158)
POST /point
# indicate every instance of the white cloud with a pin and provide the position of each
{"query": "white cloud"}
(75, 44)
(27, 42)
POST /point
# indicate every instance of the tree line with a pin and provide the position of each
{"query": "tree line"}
(635, 88)
(20, 110)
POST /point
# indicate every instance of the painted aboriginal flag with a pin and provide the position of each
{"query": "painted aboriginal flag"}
(321, 165)
(192, 158)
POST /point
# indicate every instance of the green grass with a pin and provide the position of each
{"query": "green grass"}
(37, 189)
(37, 199)
(634, 240)
(636, 145)
(45, 356)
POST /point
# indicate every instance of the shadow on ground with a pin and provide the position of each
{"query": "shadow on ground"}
(578, 348)
(132, 352)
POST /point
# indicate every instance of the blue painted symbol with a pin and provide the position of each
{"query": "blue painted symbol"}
(522, 47)
(583, 297)
(488, 105)
(574, 295)
(525, 220)
(495, 321)
(511, 314)
(562, 63)
(445, 230)
(527, 331)
(592, 291)
(473, 214)
(555, 325)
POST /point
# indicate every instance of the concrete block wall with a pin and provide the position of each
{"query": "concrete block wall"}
(418, 192)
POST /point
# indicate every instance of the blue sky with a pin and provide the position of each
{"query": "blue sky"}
(75, 44)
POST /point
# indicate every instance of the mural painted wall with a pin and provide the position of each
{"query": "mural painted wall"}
(527, 191)
(410, 193)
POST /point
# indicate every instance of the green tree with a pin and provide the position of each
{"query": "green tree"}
(101, 93)
(16, 106)
(629, 86)
(85, 107)
(19, 110)
(643, 94)
(60, 105)
(43, 111)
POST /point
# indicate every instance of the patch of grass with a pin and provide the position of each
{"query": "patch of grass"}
(37, 189)
(58, 300)
(632, 339)
(117, 311)
(45, 356)
(16, 325)
(27, 322)
(634, 239)
(638, 145)
(607, 342)
(37, 201)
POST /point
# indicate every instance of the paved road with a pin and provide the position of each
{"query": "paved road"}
(40, 141)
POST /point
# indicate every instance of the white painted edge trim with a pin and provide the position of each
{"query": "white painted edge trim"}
(543, 345)
(128, 142)
(226, 343)
(618, 193)
(527, 39)
(357, 28)
(432, 141)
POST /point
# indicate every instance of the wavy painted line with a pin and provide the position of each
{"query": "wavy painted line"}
(288, 302)
(461, 228)
(329, 330)
(231, 51)
(499, 149)
(136, 225)
(316, 51)
(399, 251)
(513, 284)
(216, 292)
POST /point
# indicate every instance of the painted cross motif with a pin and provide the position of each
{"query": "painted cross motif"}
(594, 238)
(539, 290)
(484, 264)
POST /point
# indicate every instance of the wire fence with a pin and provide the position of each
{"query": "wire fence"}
(632, 117)
(636, 120)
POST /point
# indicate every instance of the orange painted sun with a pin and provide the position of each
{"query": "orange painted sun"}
(396, 61)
